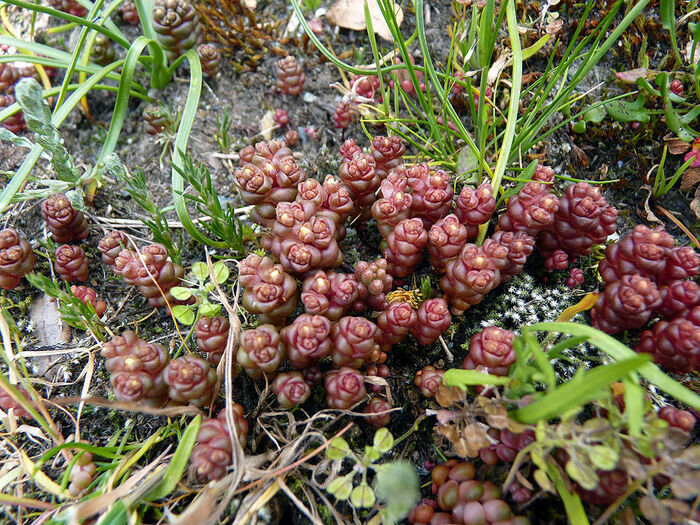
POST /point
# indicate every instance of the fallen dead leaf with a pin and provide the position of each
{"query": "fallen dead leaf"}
(690, 178)
(695, 203)
(646, 212)
(267, 125)
(350, 14)
(675, 145)
(48, 327)
(631, 76)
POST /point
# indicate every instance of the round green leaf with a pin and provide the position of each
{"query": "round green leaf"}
(340, 488)
(181, 293)
(604, 458)
(383, 440)
(582, 473)
(221, 272)
(200, 271)
(362, 496)
(338, 449)
(183, 313)
(209, 309)
(580, 126)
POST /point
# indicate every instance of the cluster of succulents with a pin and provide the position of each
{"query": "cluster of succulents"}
(461, 499)
(268, 175)
(150, 269)
(142, 371)
(648, 275)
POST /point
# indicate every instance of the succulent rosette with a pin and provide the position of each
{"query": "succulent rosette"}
(190, 379)
(475, 207)
(642, 251)
(531, 210)
(344, 388)
(307, 340)
(387, 153)
(675, 344)
(377, 282)
(65, 223)
(330, 294)
(428, 380)
(678, 297)
(394, 323)
(268, 175)
(353, 342)
(16, 258)
(584, 219)
(71, 263)
(404, 247)
(625, 304)
(176, 24)
(260, 351)
(289, 76)
(151, 271)
(136, 367)
(492, 348)
(291, 389)
(270, 292)
(431, 193)
(111, 245)
(212, 336)
(378, 410)
(446, 239)
(519, 246)
(213, 452)
(432, 319)
(89, 295)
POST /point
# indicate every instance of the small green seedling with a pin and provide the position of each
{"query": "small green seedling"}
(395, 482)
(188, 314)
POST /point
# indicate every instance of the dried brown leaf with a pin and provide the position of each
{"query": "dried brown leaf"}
(675, 145)
(690, 178)
(350, 14)
(695, 203)
(685, 485)
(631, 76)
(654, 510)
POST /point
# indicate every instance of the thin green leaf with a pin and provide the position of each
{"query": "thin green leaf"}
(582, 388)
(572, 502)
(619, 351)
(178, 463)
(464, 378)
(634, 404)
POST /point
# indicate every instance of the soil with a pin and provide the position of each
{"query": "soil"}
(608, 148)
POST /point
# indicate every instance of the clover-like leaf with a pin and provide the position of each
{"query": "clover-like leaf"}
(338, 449)
(184, 314)
(209, 309)
(200, 271)
(340, 488)
(362, 496)
(383, 440)
(582, 473)
(181, 293)
(221, 272)
(602, 457)
(543, 481)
